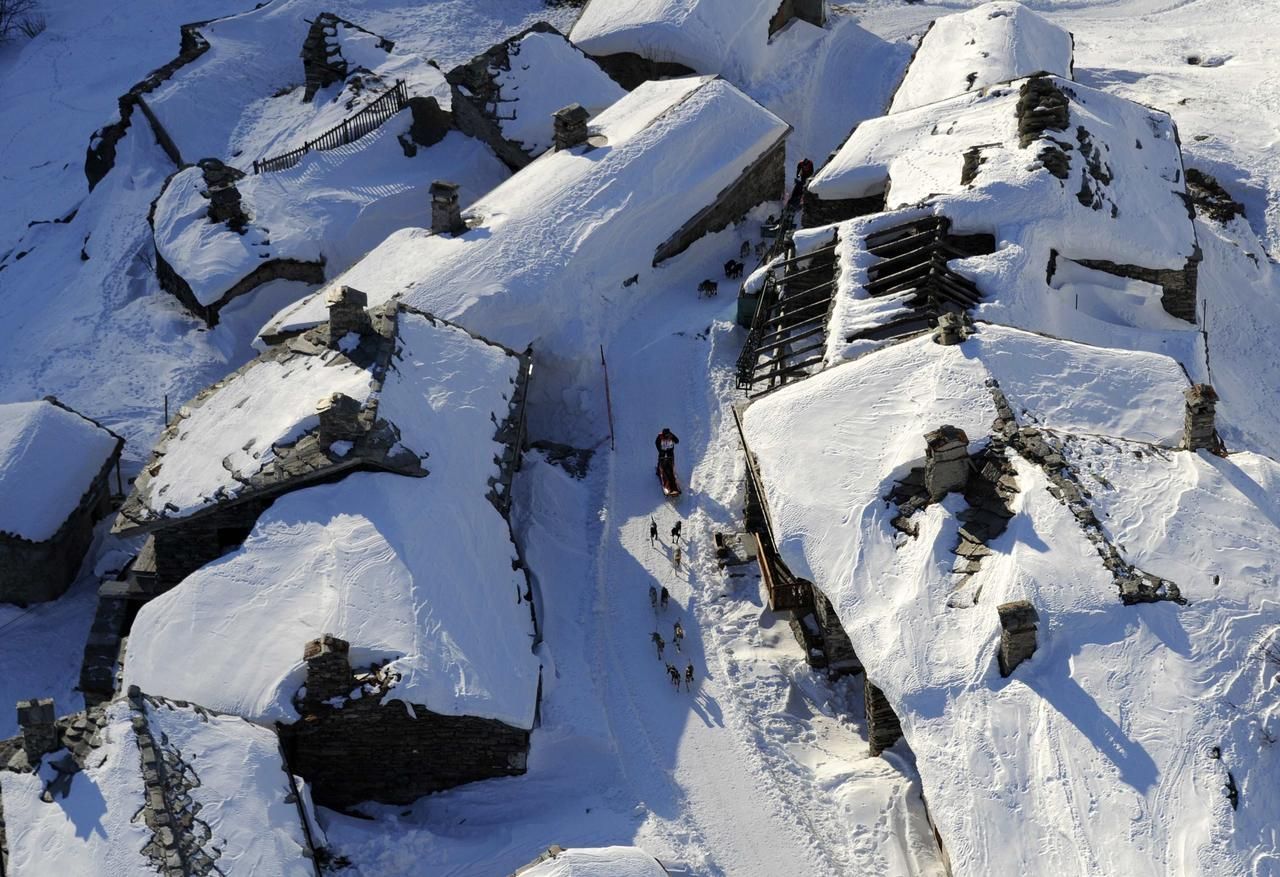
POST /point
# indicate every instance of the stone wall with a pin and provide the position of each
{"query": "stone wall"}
(841, 660)
(812, 11)
(764, 180)
(1178, 285)
(100, 157)
(31, 572)
(817, 212)
(629, 69)
(276, 269)
(369, 751)
(883, 727)
(190, 543)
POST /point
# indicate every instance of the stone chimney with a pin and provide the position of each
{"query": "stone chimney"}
(39, 736)
(224, 198)
(952, 329)
(328, 670)
(571, 126)
(446, 212)
(339, 419)
(1018, 622)
(946, 465)
(1198, 430)
(347, 314)
(883, 727)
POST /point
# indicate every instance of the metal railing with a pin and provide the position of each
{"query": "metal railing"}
(351, 129)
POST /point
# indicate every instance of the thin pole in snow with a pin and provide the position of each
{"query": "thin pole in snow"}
(119, 482)
(608, 401)
(166, 409)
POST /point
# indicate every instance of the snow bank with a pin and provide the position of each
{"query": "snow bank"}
(49, 457)
(224, 437)
(1118, 709)
(415, 571)
(552, 245)
(96, 831)
(548, 72)
(602, 862)
(969, 51)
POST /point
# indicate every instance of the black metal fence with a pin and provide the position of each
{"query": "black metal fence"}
(370, 118)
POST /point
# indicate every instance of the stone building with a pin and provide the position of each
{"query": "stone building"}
(390, 618)
(376, 747)
(142, 785)
(306, 412)
(506, 95)
(527, 258)
(56, 477)
(1102, 190)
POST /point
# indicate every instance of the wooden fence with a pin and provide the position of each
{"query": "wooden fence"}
(369, 119)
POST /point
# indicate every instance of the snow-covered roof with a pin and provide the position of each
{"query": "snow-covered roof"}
(598, 862)
(332, 208)
(971, 50)
(707, 36)
(239, 786)
(417, 571)
(1117, 195)
(49, 457)
(548, 242)
(1110, 704)
(544, 73)
(230, 440)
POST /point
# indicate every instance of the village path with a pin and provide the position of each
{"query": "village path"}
(699, 769)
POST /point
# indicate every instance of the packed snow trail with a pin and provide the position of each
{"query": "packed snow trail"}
(691, 770)
(716, 766)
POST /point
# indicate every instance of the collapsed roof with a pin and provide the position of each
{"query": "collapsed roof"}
(224, 786)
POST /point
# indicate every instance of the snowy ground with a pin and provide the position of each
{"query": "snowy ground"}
(762, 770)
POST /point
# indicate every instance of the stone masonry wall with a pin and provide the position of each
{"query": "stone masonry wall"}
(191, 543)
(764, 180)
(368, 751)
(276, 269)
(100, 157)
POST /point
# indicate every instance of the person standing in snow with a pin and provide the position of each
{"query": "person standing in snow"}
(658, 641)
(678, 636)
(688, 677)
